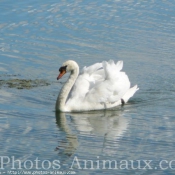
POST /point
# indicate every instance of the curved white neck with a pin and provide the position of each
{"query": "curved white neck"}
(61, 100)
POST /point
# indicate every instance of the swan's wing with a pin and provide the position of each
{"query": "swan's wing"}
(88, 77)
(112, 88)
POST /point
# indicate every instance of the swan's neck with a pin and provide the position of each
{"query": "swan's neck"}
(61, 100)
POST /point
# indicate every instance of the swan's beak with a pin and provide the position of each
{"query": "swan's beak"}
(61, 74)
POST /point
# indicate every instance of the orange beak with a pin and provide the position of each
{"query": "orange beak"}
(61, 74)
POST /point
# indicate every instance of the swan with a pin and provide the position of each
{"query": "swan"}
(99, 86)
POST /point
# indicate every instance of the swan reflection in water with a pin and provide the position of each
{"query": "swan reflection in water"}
(99, 130)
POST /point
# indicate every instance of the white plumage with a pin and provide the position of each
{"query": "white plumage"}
(99, 86)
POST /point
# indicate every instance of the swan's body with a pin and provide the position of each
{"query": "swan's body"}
(99, 86)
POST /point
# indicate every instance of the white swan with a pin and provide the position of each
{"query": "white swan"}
(99, 86)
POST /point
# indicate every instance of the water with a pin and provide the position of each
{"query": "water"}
(37, 36)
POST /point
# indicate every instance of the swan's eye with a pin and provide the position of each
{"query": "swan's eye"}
(63, 69)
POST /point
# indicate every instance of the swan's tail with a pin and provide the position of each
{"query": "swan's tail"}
(129, 94)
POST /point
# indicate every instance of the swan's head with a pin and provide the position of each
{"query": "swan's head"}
(68, 66)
